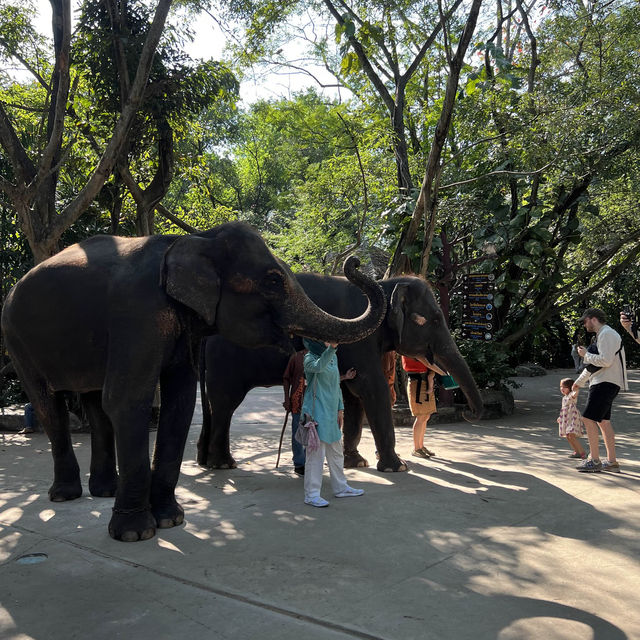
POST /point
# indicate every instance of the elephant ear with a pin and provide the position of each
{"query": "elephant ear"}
(395, 317)
(189, 275)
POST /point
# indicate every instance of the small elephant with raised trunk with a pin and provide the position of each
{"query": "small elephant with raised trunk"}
(414, 326)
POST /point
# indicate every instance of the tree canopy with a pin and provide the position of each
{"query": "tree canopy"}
(463, 136)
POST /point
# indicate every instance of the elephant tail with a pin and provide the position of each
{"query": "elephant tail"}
(205, 433)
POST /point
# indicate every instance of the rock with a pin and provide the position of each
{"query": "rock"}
(12, 420)
(530, 370)
(497, 402)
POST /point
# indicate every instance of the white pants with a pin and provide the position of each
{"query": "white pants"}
(313, 468)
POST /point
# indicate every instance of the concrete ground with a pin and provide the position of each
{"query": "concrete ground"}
(497, 537)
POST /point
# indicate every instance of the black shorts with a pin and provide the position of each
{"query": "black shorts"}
(599, 401)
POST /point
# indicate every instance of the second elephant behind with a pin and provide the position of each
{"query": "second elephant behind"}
(414, 326)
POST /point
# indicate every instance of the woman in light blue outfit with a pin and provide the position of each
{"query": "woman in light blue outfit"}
(323, 401)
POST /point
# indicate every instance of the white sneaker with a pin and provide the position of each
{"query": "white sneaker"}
(349, 492)
(317, 502)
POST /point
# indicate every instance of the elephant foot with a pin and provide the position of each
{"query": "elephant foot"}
(392, 466)
(353, 460)
(169, 515)
(63, 491)
(471, 417)
(201, 457)
(221, 463)
(130, 526)
(103, 487)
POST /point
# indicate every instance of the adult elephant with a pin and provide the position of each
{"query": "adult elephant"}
(111, 316)
(413, 326)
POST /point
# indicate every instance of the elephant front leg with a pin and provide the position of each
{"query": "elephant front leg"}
(377, 405)
(127, 402)
(352, 431)
(178, 398)
(132, 519)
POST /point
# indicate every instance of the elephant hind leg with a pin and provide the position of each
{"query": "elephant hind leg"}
(52, 413)
(103, 478)
(218, 407)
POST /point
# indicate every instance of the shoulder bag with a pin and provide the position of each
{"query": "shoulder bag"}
(307, 434)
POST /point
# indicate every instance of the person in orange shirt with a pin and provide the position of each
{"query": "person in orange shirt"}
(422, 402)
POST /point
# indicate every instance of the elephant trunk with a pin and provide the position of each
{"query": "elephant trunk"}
(304, 318)
(451, 360)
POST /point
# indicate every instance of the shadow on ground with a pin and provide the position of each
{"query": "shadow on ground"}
(487, 540)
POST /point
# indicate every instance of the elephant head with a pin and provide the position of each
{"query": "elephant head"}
(236, 285)
(420, 331)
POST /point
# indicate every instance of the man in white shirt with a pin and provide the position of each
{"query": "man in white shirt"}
(606, 377)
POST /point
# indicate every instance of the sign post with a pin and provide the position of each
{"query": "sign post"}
(478, 309)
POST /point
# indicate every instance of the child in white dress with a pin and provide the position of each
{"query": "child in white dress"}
(570, 421)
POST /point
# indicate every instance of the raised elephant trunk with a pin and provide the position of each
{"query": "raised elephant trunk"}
(450, 359)
(304, 318)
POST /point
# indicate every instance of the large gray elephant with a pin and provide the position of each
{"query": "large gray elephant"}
(111, 316)
(413, 326)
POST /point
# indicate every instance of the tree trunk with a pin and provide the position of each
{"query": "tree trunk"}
(147, 199)
(33, 194)
(400, 149)
(427, 201)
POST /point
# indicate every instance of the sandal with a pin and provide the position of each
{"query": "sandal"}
(431, 454)
(420, 453)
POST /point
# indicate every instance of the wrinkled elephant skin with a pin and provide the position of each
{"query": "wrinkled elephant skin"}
(110, 317)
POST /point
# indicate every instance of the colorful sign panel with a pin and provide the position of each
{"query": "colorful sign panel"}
(478, 311)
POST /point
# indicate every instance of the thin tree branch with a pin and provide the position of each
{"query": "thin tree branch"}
(23, 168)
(26, 65)
(499, 173)
(543, 313)
(162, 210)
(411, 69)
(364, 60)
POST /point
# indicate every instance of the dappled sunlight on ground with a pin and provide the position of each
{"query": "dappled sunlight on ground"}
(546, 627)
(492, 531)
(454, 479)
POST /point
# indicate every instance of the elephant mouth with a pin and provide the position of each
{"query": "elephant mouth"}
(282, 339)
(431, 364)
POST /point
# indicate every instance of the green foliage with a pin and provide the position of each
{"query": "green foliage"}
(552, 209)
(11, 392)
(540, 177)
(489, 364)
(18, 37)
(15, 257)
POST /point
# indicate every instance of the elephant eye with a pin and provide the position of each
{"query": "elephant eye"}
(272, 280)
